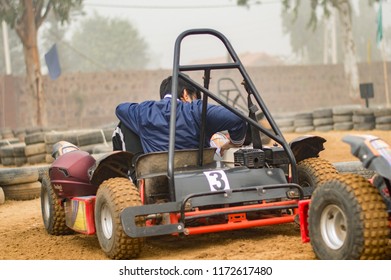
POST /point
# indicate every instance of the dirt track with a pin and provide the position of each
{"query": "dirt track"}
(23, 237)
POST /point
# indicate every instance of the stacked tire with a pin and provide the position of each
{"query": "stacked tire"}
(323, 119)
(363, 119)
(354, 167)
(286, 124)
(303, 122)
(2, 196)
(13, 154)
(95, 141)
(21, 183)
(382, 118)
(343, 118)
(35, 147)
(53, 137)
(6, 133)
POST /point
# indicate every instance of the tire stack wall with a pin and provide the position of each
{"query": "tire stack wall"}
(2, 196)
(6, 133)
(13, 154)
(343, 118)
(338, 118)
(93, 141)
(382, 118)
(5, 144)
(355, 167)
(53, 137)
(35, 147)
(285, 123)
(323, 119)
(363, 119)
(303, 122)
(96, 141)
(20, 183)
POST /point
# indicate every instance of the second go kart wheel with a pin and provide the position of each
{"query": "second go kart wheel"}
(348, 219)
(112, 197)
(53, 214)
(312, 172)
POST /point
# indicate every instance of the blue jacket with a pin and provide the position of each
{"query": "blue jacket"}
(151, 121)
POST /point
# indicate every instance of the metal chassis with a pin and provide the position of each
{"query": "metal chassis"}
(176, 209)
(178, 214)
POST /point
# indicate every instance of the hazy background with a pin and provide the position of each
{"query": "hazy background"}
(111, 35)
(254, 29)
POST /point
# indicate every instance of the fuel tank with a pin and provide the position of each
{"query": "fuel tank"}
(69, 175)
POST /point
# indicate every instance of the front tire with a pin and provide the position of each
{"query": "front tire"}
(113, 196)
(312, 172)
(348, 219)
(53, 214)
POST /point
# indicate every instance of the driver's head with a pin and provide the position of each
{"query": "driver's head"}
(186, 92)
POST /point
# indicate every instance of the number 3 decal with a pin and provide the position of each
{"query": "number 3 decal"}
(217, 180)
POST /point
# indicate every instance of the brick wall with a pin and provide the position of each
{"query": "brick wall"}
(88, 100)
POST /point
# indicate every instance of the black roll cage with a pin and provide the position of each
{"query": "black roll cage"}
(207, 68)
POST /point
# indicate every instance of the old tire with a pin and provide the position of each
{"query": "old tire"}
(355, 167)
(25, 191)
(53, 214)
(112, 197)
(2, 196)
(312, 172)
(11, 176)
(348, 219)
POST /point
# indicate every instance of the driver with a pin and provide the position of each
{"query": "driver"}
(150, 120)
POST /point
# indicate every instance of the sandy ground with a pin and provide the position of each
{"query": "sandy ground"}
(23, 237)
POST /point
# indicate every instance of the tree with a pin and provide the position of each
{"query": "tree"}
(306, 42)
(106, 44)
(349, 48)
(345, 15)
(26, 17)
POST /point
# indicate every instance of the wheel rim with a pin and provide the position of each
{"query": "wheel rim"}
(333, 226)
(106, 221)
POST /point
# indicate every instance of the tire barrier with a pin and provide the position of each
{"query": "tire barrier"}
(26, 159)
(303, 122)
(363, 119)
(382, 118)
(37, 146)
(2, 196)
(13, 154)
(286, 124)
(338, 118)
(6, 133)
(21, 183)
(354, 167)
(323, 119)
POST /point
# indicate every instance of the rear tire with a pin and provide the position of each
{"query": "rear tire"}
(112, 197)
(348, 220)
(53, 214)
(312, 172)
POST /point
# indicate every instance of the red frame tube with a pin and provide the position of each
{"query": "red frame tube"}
(239, 225)
(235, 224)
